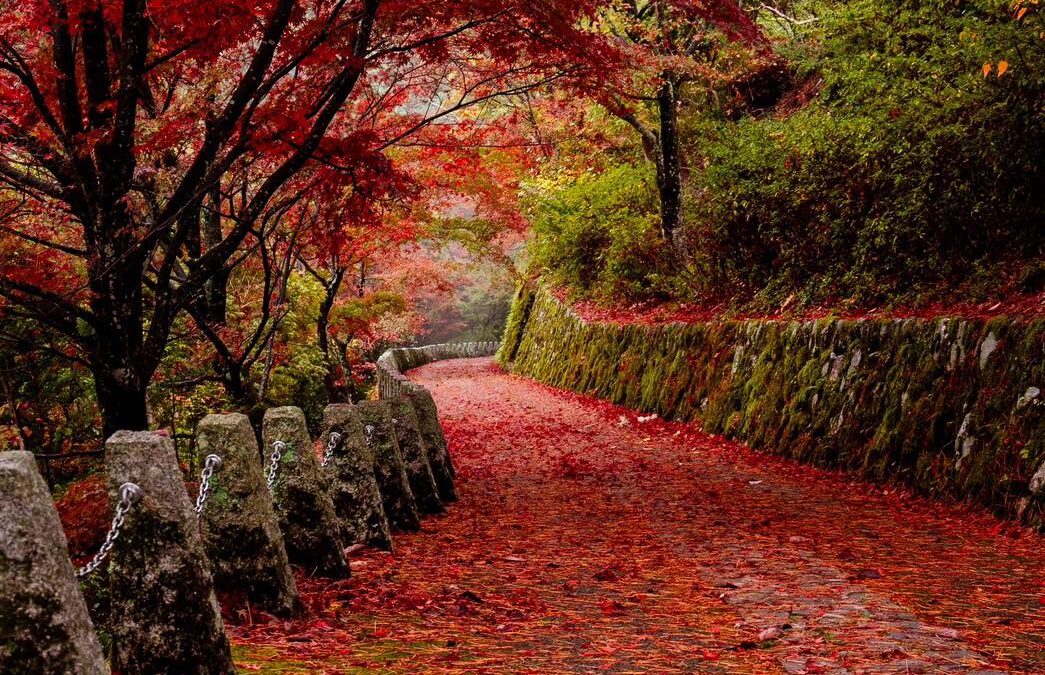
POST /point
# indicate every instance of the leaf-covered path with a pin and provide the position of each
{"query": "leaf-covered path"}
(588, 539)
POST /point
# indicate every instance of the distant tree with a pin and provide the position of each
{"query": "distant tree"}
(671, 43)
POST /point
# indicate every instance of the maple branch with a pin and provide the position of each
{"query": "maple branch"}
(15, 64)
(65, 65)
(48, 308)
(22, 179)
(432, 39)
(221, 127)
(781, 15)
(215, 257)
(80, 253)
(463, 104)
(27, 345)
(172, 54)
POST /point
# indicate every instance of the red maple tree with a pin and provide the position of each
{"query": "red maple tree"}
(142, 144)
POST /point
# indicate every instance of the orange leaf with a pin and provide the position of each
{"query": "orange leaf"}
(986, 69)
(1003, 66)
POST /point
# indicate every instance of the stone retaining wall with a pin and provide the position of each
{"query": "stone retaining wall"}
(393, 363)
(951, 406)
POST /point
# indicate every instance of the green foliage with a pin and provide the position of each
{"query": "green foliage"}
(892, 168)
(298, 380)
(910, 170)
(46, 399)
(598, 232)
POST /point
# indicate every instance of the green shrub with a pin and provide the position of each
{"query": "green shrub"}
(599, 233)
(909, 171)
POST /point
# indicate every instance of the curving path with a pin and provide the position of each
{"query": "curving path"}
(587, 540)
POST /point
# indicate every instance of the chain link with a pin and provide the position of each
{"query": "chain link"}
(210, 465)
(332, 442)
(273, 468)
(130, 494)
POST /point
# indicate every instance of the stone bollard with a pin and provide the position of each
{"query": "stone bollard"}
(389, 466)
(301, 495)
(165, 617)
(435, 442)
(240, 531)
(354, 490)
(415, 455)
(44, 626)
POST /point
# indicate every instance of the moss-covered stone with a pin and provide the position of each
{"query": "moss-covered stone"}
(389, 466)
(302, 496)
(354, 489)
(415, 455)
(435, 442)
(933, 403)
(165, 614)
(44, 626)
(515, 326)
(240, 531)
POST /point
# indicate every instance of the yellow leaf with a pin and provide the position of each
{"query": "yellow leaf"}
(986, 69)
(1003, 66)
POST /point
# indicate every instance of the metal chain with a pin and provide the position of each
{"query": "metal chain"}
(332, 442)
(130, 494)
(210, 465)
(273, 468)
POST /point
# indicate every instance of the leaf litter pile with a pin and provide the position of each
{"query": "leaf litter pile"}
(590, 538)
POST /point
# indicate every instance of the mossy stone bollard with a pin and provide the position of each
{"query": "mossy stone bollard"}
(240, 532)
(389, 467)
(165, 617)
(435, 442)
(301, 495)
(354, 490)
(44, 626)
(415, 455)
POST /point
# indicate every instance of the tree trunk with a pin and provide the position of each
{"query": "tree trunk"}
(24, 443)
(121, 400)
(333, 380)
(216, 290)
(118, 361)
(243, 395)
(669, 167)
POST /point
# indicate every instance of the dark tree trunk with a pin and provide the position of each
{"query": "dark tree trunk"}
(243, 393)
(669, 167)
(119, 360)
(121, 400)
(215, 291)
(334, 379)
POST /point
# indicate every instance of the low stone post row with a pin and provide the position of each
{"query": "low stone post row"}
(241, 534)
(354, 489)
(392, 479)
(264, 509)
(302, 495)
(415, 456)
(165, 616)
